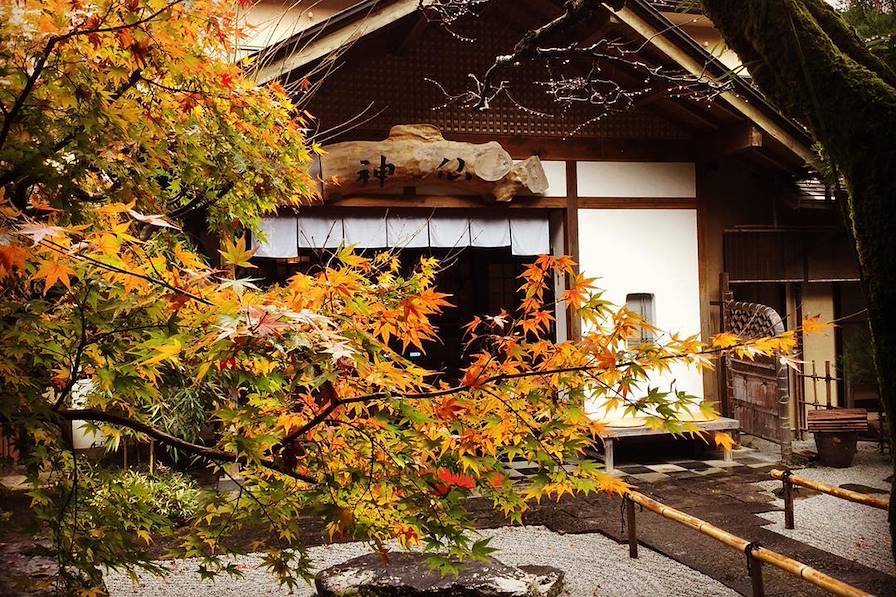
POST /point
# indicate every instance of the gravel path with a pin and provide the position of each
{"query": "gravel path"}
(594, 564)
(849, 530)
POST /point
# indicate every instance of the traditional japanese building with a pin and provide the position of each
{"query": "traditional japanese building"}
(671, 202)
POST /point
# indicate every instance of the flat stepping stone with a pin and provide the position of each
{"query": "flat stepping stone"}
(409, 575)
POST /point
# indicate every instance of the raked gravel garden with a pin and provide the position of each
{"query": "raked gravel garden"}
(595, 564)
(850, 530)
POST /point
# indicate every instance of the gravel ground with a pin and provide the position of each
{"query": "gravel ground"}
(594, 564)
(849, 530)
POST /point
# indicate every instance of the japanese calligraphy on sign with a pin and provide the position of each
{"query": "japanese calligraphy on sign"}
(381, 172)
(456, 173)
(415, 155)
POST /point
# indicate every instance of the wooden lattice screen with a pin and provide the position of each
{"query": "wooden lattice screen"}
(396, 83)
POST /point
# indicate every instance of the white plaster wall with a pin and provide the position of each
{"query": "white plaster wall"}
(555, 171)
(637, 179)
(653, 251)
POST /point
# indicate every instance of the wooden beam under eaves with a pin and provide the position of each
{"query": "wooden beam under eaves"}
(730, 141)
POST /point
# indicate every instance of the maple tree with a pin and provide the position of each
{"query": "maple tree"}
(126, 121)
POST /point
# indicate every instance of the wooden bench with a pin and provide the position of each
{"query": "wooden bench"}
(614, 433)
(837, 420)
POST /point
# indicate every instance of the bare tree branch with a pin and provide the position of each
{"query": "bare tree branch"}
(89, 414)
(609, 75)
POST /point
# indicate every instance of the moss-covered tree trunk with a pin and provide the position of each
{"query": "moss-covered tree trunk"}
(807, 61)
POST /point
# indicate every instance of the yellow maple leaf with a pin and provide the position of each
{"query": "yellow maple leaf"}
(723, 440)
(108, 244)
(52, 272)
(188, 258)
(166, 351)
(236, 253)
(725, 340)
(611, 484)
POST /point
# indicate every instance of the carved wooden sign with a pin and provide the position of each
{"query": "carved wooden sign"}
(417, 154)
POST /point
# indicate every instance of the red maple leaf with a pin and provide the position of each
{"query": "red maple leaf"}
(227, 81)
(448, 409)
(452, 479)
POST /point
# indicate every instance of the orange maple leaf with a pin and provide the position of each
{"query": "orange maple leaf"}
(52, 272)
(448, 409)
(11, 257)
(473, 377)
(814, 325)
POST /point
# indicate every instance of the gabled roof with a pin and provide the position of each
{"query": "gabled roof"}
(327, 36)
(368, 16)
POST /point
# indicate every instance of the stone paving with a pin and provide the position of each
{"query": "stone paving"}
(739, 498)
(744, 460)
(585, 537)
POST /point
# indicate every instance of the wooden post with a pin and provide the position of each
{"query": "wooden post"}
(788, 501)
(726, 387)
(727, 453)
(755, 567)
(632, 528)
(152, 456)
(608, 454)
(571, 229)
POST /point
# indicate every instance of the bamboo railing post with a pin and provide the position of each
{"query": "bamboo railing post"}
(788, 500)
(754, 552)
(845, 494)
(632, 528)
(827, 384)
(814, 387)
(754, 569)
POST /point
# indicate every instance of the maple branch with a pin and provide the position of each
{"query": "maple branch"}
(41, 62)
(200, 202)
(123, 26)
(79, 353)
(26, 90)
(62, 143)
(90, 414)
(112, 268)
(524, 374)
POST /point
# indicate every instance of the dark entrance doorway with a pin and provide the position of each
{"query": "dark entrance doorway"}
(480, 281)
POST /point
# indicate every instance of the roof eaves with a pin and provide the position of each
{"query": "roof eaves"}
(713, 66)
(310, 44)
